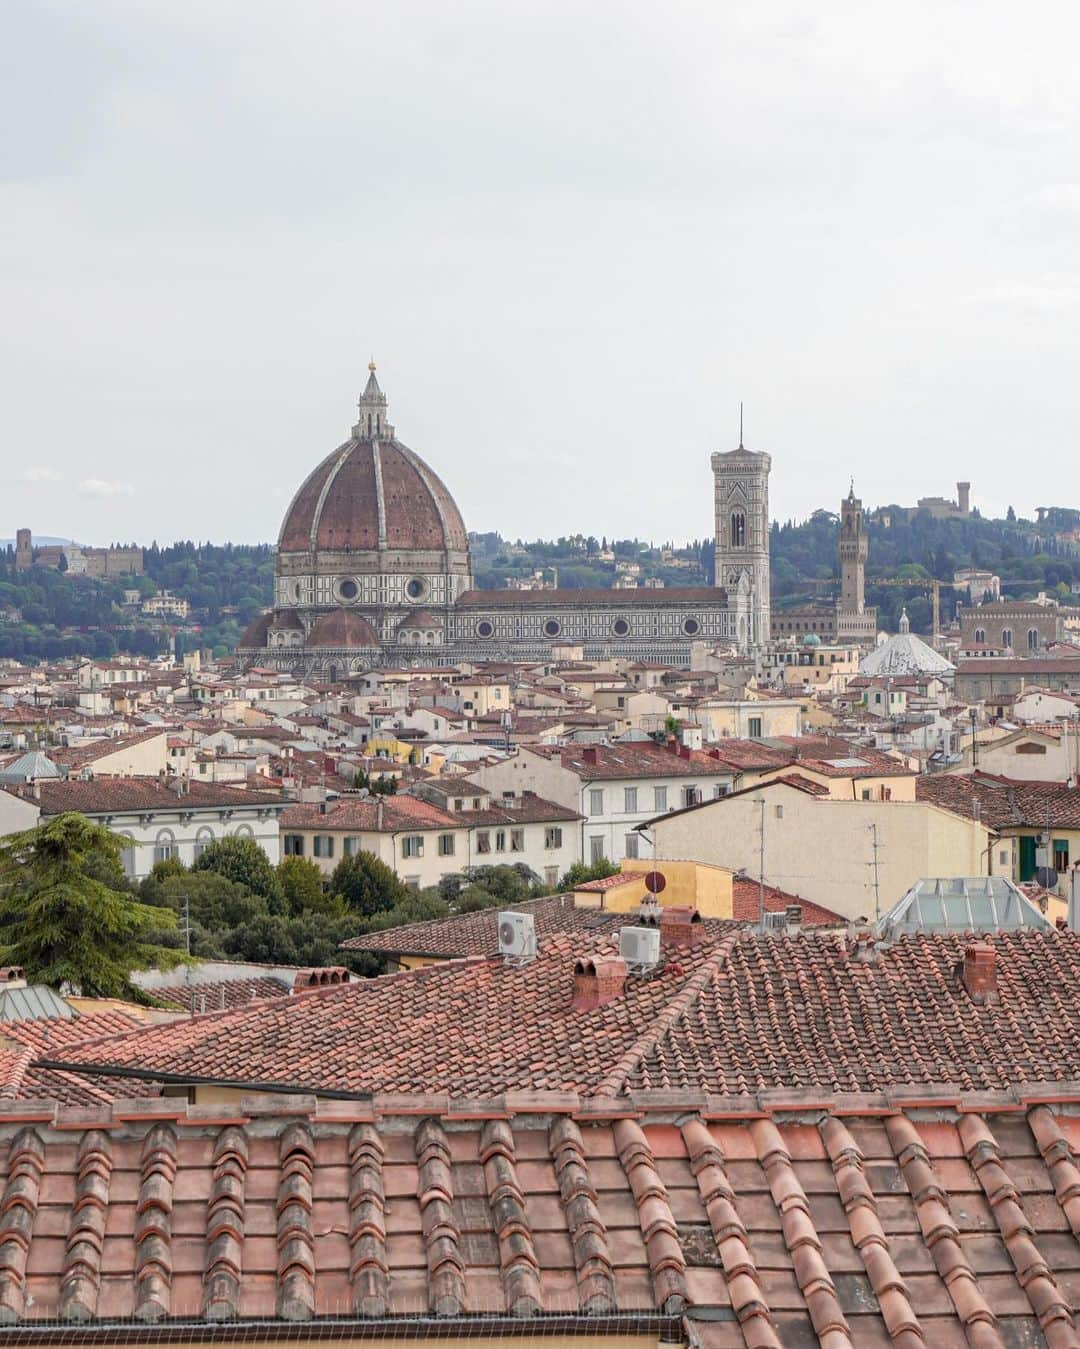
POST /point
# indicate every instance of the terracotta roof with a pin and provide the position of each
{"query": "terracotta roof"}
(342, 627)
(366, 499)
(473, 1027)
(216, 994)
(1002, 803)
(802, 1014)
(22, 1080)
(746, 905)
(849, 1231)
(368, 814)
(637, 759)
(110, 795)
(76, 756)
(670, 597)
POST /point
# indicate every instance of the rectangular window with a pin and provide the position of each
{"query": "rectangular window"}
(446, 845)
(483, 841)
(323, 845)
(866, 793)
(458, 803)
(351, 847)
(500, 840)
(659, 798)
(630, 845)
(412, 882)
(164, 851)
(553, 836)
(629, 800)
(294, 845)
(551, 876)
(517, 840)
(412, 845)
(596, 801)
(596, 848)
(755, 728)
(886, 793)
(1061, 854)
(690, 796)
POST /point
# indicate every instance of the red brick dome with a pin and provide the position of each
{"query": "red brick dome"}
(255, 632)
(372, 494)
(342, 627)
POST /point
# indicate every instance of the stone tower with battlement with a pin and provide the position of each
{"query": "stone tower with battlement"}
(24, 550)
(852, 548)
(741, 499)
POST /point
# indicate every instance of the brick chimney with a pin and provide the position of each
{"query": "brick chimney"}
(597, 981)
(979, 972)
(589, 755)
(680, 925)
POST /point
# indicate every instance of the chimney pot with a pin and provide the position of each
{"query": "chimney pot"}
(979, 972)
(680, 925)
(597, 981)
(320, 976)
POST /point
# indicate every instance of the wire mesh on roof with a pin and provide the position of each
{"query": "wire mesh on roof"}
(961, 904)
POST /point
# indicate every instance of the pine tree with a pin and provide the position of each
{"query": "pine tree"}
(67, 927)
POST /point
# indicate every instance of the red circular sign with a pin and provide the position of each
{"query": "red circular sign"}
(655, 882)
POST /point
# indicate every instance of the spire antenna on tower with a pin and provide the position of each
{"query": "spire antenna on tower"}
(741, 445)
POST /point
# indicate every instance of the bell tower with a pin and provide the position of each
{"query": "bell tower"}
(741, 500)
(852, 548)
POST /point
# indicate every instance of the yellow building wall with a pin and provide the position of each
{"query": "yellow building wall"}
(689, 884)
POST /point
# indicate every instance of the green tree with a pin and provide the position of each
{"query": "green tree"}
(65, 926)
(243, 861)
(214, 904)
(301, 884)
(367, 885)
(579, 873)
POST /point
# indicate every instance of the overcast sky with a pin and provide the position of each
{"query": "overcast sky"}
(573, 237)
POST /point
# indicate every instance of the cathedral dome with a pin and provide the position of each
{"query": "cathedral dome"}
(342, 628)
(373, 494)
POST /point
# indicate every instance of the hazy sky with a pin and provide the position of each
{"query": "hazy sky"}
(574, 237)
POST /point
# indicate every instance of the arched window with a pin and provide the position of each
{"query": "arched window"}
(243, 831)
(203, 839)
(164, 845)
(1033, 639)
(980, 636)
(738, 529)
(127, 855)
(1006, 637)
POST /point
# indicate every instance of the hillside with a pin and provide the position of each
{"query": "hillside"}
(47, 615)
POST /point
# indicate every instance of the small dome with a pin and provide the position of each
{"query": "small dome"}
(811, 639)
(342, 627)
(420, 618)
(255, 632)
(286, 620)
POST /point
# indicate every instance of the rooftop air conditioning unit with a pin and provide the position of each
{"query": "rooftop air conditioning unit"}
(639, 946)
(776, 922)
(517, 935)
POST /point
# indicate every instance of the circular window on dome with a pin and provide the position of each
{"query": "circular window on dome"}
(552, 627)
(416, 588)
(348, 589)
(620, 627)
(691, 627)
(485, 628)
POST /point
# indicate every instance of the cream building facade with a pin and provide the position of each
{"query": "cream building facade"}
(855, 857)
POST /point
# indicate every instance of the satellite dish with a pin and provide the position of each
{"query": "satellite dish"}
(1047, 877)
(655, 882)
